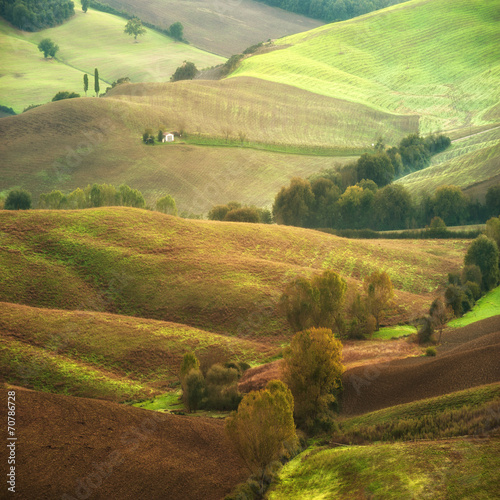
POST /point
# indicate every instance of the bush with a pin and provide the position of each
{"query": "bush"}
(483, 252)
(18, 199)
(185, 72)
(245, 214)
(430, 351)
(64, 94)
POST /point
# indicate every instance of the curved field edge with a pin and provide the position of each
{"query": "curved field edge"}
(105, 356)
(459, 469)
(485, 307)
(221, 277)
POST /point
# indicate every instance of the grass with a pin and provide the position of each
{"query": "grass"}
(87, 41)
(390, 332)
(221, 27)
(420, 57)
(102, 355)
(485, 307)
(220, 277)
(439, 470)
(470, 412)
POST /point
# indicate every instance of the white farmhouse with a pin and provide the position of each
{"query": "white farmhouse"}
(168, 137)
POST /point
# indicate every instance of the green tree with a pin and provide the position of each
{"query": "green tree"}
(263, 427)
(134, 27)
(53, 200)
(189, 362)
(96, 82)
(483, 252)
(176, 31)
(131, 197)
(64, 94)
(85, 5)
(185, 72)
(312, 370)
(18, 199)
(294, 205)
(377, 167)
(439, 313)
(48, 47)
(356, 207)
(450, 204)
(85, 83)
(193, 390)
(326, 195)
(493, 200)
(493, 229)
(392, 207)
(166, 205)
(245, 214)
(379, 291)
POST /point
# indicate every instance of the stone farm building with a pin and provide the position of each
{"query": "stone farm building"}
(168, 137)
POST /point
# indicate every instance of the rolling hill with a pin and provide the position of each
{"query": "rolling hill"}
(87, 41)
(221, 277)
(104, 450)
(437, 59)
(105, 356)
(225, 27)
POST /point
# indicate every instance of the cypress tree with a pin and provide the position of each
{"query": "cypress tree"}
(85, 83)
(96, 82)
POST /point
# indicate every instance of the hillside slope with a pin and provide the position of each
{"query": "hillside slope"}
(222, 277)
(438, 59)
(105, 356)
(103, 450)
(87, 41)
(224, 27)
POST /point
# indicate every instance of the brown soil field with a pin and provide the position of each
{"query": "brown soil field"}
(468, 357)
(80, 448)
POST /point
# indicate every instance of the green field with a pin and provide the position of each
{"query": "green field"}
(87, 41)
(221, 277)
(223, 27)
(459, 469)
(437, 59)
(486, 307)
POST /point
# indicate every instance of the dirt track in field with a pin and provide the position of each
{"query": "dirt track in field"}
(467, 357)
(91, 449)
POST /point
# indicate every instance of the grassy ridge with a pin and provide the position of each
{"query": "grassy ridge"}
(102, 355)
(223, 277)
(436, 59)
(88, 40)
(438, 470)
(486, 307)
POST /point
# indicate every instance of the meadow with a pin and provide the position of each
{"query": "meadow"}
(436, 59)
(87, 41)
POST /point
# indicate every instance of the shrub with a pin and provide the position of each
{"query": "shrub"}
(64, 94)
(483, 252)
(18, 199)
(426, 331)
(185, 72)
(430, 351)
(245, 214)
(193, 390)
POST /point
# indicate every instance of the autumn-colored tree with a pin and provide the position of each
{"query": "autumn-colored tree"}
(439, 313)
(189, 362)
(379, 290)
(313, 369)
(315, 303)
(263, 426)
(192, 381)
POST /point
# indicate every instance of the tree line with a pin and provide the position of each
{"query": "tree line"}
(331, 10)
(361, 195)
(95, 195)
(35, 15)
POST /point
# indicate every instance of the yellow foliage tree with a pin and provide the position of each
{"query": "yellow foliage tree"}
(313, 369)
(379, 291)
(263, 426)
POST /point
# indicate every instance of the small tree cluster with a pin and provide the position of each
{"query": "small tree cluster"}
(48, 47)
(64, 94)
(148, 137)
(166, 205)
(234, 212)
(216, 389)
(185, 72)
(312, 370)
(34, 15)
